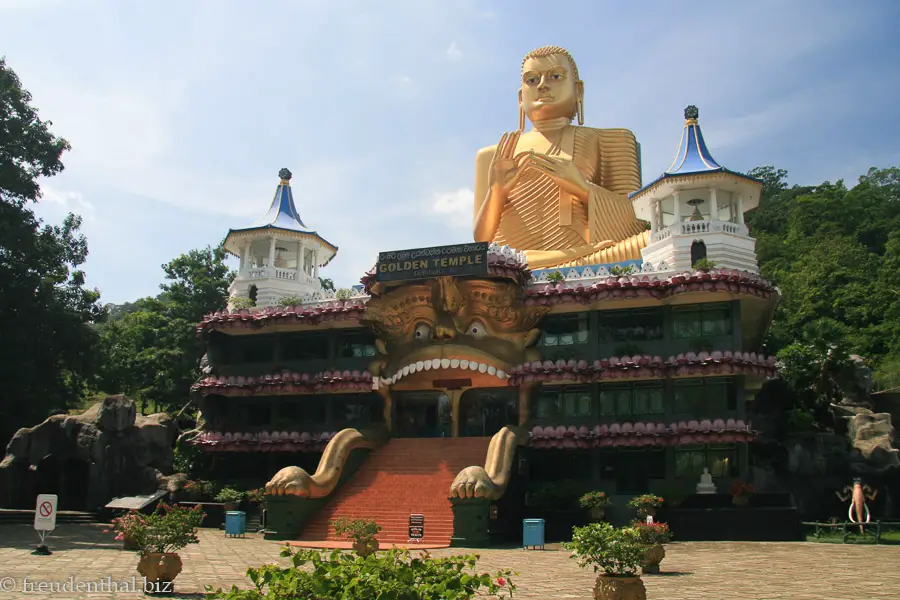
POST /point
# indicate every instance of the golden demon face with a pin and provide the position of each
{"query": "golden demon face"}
(450, 328)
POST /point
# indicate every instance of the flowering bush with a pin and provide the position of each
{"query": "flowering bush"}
(257, 495)
(616, 552)
(595, 499)
(393, 574)
(127, 524)
(229, 494)
(646, 501)
(740, 488)
(200, 488)
(359, 530)
(652, 534)
(168, 529)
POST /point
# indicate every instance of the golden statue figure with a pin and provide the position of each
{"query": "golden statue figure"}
(559, 192)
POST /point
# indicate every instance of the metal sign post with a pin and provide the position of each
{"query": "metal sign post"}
(416, 528)
(45, 520)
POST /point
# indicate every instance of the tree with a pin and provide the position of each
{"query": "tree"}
(327, 284)
(49, 352)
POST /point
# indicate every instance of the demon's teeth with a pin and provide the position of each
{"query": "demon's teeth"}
(492, 370)
(473, 366)
(435, 363)
(405, 370)
(482, 368)
(420, 366)
(454, 363)
(501, 374)
(445, 363)
(427, 365)
(463, 364)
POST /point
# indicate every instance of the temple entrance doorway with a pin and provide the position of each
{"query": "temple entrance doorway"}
(422, 414)
(484, 412)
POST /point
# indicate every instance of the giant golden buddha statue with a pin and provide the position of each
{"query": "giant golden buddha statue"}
(559, 192)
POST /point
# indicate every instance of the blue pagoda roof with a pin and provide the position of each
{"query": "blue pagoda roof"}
(693, 157)
(282, 213)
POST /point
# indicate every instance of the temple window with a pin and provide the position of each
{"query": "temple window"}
(484, 412)
(257, 348)
(631, 399)
(565, 330)
(567, 401)
(303, 413)
(304, 346)
(631, 325)
(698, 251)
(253, 414)
(633, 468)
(710, 397)
(353, 409)
(701, 320)
(720, 459)
(356, 345)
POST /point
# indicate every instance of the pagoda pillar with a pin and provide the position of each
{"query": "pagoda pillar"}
(740, 210)
(654, 216)
(301, 250)
(272, 242)
(713, 205)
(677, 208)
(246, 259)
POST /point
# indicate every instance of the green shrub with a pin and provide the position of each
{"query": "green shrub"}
(705, 265)
(556, 277)
(358, 530)
(619, 271)
(241, 303)
(290, 301)
(343, 294)
(595, 499)
(616, 552)
(229, 494)
(393, 575)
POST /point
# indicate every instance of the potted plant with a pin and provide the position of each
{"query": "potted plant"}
(646, 504)
(256, 496)
(158, 537)
(741, 492)
(652, 536)
(125, 526)
(193, 491)
(230, 497)
(618, 553)
(361, 531)
(596, 502)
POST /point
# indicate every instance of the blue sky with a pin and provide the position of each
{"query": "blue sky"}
(181, 113)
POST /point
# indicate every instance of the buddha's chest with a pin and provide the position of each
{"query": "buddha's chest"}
(561, 145)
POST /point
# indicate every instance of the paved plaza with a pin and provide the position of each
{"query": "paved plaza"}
(691, 571)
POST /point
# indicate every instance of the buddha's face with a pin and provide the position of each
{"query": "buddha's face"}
(549, 89)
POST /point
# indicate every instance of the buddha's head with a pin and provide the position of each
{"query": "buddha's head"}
(550, 86)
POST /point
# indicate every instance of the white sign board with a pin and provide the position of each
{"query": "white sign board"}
(45, 512)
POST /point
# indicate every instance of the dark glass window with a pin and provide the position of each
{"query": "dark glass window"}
(356, 344)
(632, 468)
(705, 397)
(564, 401)
(565, 330)
(720, 459)
(256, 348)
(631, 399)
(631, 325)
(304, 346)
(357, 409)
(302, 413)
(484, 412)
(701, 320)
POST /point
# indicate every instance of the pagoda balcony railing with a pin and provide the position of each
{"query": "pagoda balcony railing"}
(277, 273)
(700, 227)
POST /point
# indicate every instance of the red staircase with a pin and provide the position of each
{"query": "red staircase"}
(405, 476)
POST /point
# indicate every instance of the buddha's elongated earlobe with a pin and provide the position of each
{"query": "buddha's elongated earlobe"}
(579, 110)
(521, 113)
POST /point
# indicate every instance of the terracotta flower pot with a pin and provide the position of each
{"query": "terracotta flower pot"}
(128, 543)
(742, 500)
(160, 568)
(366, 547)
(609, 587)
(598, 512)
(655, 555)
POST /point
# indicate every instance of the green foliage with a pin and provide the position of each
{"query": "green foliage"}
(358, 530)
(327, 284)
(186, 458)
(705, 265)
(619, 271)
(256, 495)
(556, 277)
(799, 420)
(49, 352)
(392, 575)
(595, 499)
(168, 529)
(343, 294)
(229, 494)
(652, 534)
(617, 552)
(290, 301)
(646, 501)
(241, 303)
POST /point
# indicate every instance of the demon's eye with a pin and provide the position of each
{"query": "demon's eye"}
(476, 329)
(423, 332)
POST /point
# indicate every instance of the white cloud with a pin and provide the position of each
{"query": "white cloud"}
(404, 79)
(453, 52)
(454, 208)
(69, 201)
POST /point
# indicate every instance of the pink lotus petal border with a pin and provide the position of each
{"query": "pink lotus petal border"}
(646, 366)
(336, 310)
(642, 434)
(286, 382)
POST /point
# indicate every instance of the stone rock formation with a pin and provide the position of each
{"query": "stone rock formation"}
(88, 459)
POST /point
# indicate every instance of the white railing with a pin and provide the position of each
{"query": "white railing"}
(288, 274)
(256, 273)
(700, 227)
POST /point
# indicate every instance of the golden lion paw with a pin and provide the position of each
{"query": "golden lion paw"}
(472, 482)
(290, 481)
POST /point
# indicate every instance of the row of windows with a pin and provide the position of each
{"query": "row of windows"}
(300, 412)
(295, 346)
(699, 397)
(639, 325)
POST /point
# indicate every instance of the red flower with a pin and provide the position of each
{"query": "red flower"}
(501, 582)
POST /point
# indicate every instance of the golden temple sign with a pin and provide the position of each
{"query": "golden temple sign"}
(425, 263)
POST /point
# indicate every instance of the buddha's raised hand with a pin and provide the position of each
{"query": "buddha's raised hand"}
(505, 173)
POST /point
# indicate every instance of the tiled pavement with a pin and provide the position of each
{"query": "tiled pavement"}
(693, 570)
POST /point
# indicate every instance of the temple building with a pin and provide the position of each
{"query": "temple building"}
(459, 372)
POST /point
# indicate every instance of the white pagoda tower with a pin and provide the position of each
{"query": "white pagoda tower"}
(696, 209)
(280, 256)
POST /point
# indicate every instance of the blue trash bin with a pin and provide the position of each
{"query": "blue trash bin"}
(235, 523)
(533, 533)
